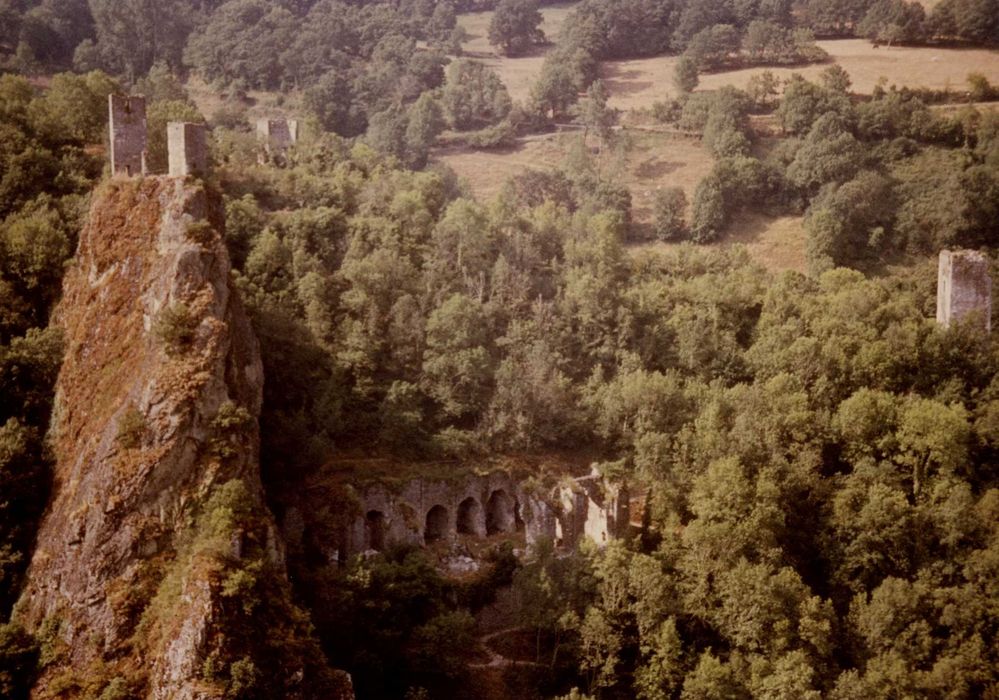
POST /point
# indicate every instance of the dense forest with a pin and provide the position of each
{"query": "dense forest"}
(819, 455)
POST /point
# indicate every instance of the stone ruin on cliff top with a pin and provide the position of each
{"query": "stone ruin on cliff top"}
(187, 143)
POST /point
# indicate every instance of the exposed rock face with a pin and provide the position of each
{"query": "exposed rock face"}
(140, 444)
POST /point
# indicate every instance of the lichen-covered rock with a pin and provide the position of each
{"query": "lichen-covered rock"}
(156, 414)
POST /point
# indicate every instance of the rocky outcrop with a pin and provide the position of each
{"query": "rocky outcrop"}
(157, 506)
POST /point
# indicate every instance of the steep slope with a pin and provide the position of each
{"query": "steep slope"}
(157, 565)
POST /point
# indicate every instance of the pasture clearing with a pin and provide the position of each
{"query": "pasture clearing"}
(520, 73)
(652, 161)
(778, 244)
(637, 84)
(649, 161)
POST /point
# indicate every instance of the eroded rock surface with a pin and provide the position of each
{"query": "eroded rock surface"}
(155, 425)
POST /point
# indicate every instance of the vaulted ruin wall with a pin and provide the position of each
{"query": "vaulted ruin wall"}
(427, 511)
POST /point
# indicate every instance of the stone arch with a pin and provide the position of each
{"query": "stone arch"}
(470, 517)
(374, 530)
(436, 526)
(499, 513)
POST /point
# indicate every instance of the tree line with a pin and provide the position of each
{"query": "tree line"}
(874, 178)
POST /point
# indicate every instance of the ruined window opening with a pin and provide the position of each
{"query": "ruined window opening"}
(375, 530)
(499, 513)
(470, 517)
(436, 527)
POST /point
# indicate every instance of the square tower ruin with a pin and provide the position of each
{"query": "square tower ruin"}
(187, 149)
(277, 135)
(127, 124)
(964, 287)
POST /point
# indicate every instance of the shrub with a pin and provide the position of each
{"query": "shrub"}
(685, 75)
(709, 210)
(243, 678)
(117, 689)
(670, 206)
(175, 328)
(979, 88)
(18, 659)
(230, 423)
(201, 232)
(131, 428)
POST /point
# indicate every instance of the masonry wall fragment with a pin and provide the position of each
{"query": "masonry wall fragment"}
(128, 136)
(277, 135)
(425, 512)
(187, 149)
(964, 287)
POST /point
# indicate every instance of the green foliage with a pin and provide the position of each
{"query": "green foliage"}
(175, 328)
(132, 428)
(18, 659)
(405, 632)
(244, 677)
(473, 96)
(117, 689)
(515, 26)
(685, 75)
(594, 112)
(231, 423)
(158, 115)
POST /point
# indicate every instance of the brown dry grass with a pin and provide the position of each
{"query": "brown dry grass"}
(639, 83)
(650, 162)
(778, 244)
(259, 105)
(518, 74)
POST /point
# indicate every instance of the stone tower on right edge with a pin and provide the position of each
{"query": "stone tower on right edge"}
(964, 286)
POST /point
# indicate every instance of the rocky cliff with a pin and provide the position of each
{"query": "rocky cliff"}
(158, 571)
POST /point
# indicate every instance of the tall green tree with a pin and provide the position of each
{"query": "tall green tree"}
(516, 26)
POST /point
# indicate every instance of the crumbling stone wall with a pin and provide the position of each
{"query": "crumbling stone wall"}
(187, 149)
(964, 287)
(424, 511)
(277, 135)
(127, 126)
(592, 507)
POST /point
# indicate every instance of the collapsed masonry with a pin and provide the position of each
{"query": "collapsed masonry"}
(964, 288)
(277, 135)
(425, 511)
(187, 147)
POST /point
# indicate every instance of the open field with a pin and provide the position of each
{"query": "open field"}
(518, 74)
(778, 244)
(653, 161)
(639, 83)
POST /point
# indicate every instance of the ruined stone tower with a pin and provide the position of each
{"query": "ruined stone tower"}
(127, 121)
(187, 149)
(277, 135)
(963, 287)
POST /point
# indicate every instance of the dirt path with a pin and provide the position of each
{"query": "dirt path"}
(497, 660)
